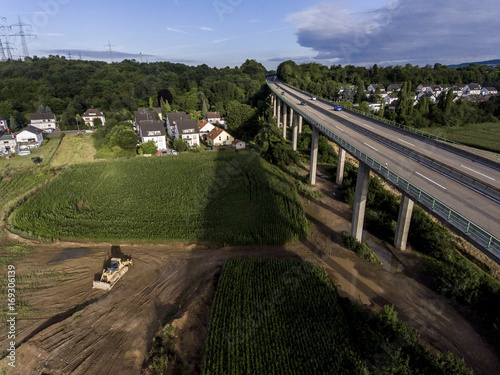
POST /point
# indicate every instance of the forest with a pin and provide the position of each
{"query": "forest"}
(326, 82)
(69, 87)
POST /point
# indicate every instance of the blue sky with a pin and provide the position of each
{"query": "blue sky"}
(227, 32)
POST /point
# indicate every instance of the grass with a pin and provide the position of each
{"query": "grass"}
(231, 197)
(273, 316)
(74, 149)
(45, 152)
(484, 136)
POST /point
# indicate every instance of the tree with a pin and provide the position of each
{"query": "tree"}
(123, 136)
(180, 145)
(148, 148)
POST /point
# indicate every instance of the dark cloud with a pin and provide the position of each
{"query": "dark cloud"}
(418, 32)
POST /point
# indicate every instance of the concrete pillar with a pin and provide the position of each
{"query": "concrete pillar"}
(291, 122)
(274, 104)
(295, 133)
(279, 112)
(340, 167)
(300, 124)
(314, 156)
(285, 110)
(404, 218)
(358, 215)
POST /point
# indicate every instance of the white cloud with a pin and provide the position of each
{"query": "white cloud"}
(177, 30)
(206, 28)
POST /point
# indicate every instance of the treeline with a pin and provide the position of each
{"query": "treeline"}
(326, 82)
(70, 87)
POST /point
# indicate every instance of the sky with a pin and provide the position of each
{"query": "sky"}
(223, 33)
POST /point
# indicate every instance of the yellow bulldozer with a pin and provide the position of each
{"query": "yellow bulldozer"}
(113, 273)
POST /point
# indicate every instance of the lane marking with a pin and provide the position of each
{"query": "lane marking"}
(368, 126)
(402, 140)
(473, 170)
(308, 109)
(321, 117)
(339, 128)
(366, 144)
(434, 182)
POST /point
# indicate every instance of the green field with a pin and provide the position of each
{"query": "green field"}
(74, 149)
(231, 197)
(485, 136)
(273, 316)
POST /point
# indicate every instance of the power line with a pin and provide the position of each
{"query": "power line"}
(69, 55)
(110, 50)
(23, 36)
(2, 48)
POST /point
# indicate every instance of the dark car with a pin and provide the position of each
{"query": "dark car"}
(282, 93)
(303, 103)
(37, 160)
(338, 108)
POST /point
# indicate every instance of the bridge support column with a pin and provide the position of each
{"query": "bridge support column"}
(404, 219)
(278, 114)
(358, 215)
(273, 98)
(314, 156)
(285, 110)
(340, 167)
(295, 132)
(291, 122)
(300, 124)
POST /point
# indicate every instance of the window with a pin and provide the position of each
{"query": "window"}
(220, 139)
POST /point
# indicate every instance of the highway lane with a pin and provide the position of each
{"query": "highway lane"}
(471, 204)
(472, 168)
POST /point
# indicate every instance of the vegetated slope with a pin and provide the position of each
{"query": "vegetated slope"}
(273, 316)
(231, 197)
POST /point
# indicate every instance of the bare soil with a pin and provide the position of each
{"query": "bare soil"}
(69, 328)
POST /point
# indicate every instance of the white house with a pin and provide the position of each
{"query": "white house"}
(3, 124)
(185, 128)
(389, 98)
(8, 143)
(91, 114)
(489, 91)
(154, 110)
(43, 120)
(374, 107)
(28, 138)
(172, 119)
(239, 145)
(458, 90)
(152, 130)
(473, 89)
(393, 87)
(142, 115)
(423, 87)
(373, 87)
(219, 137)
(213, 117)
(205, 127)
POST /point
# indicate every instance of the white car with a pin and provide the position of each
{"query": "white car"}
(174, 152)
(48, 130)
(313, 98)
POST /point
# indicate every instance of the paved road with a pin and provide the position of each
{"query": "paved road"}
(478, 208)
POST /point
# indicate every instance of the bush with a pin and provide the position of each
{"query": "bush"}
(359, 248)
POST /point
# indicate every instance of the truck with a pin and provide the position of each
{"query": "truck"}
(112, 274)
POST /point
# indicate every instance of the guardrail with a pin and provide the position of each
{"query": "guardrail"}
(474, 232)
(490, 155)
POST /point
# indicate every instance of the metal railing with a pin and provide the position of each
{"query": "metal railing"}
(478, 235)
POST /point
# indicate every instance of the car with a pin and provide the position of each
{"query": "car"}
(23, 153)
(313, 98)
(338, 108)
(37, 160)
(282, 93)
(48, 130)
(164, 152)
(303, 103)
(174, 152)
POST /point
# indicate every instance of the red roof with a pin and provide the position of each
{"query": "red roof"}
(202, 123)
(215, 132)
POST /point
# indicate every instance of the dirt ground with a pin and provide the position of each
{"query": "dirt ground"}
(70, 328)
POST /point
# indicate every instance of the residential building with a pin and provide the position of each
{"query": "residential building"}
(8, 143)
(181, 126)
(204, 128)
(374, 107)
(153, 130)
(28, 138)
(389, 98)
(155, 110)
(458, 90)
(91, 114)
(423, 87)
(473, 89)
(489, 91)
(219, 137)
(172, 119)
(373, 87)
(394, 87)
(43, 121)
(239, 145)
(3, 124)
(213, 117)
(143, 115)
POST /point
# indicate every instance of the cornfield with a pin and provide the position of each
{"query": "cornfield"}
(235, 198)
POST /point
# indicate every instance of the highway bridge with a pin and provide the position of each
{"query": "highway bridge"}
(459, 188)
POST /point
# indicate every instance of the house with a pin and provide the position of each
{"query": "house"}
(393, 105)
(374, 107)
(239, 145)
(389, 98)
(374, 86)
(204, 128)
(43, 120)
(393, 87)
(172, 119)
(8, 143)
(3, 124)
(155, 110)
(423, 87)
(458, 90)
(213, 117)
(153, 130)
(426, 95)
(91, 114)
(473, 89)
(30, 137)
(219, 137)
(143, 115)
(489, 91)
(185, 128)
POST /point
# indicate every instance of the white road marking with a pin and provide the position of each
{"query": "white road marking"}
(470, 169)
(309, 110)
(339, 128)
(321, 117)
(434, 182)
(402, 140)
(368, 126)
(366, 144)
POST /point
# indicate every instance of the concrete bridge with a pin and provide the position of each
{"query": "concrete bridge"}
(457, 187)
